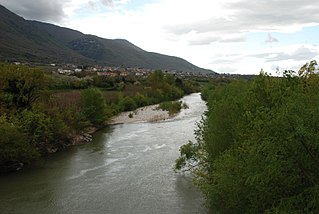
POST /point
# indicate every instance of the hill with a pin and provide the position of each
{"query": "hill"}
(33, 41)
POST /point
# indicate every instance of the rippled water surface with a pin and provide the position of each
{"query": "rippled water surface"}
(127, 169)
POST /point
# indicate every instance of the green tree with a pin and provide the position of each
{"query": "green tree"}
(257, 147)
(140, 99)
(40, 128)
(127, 104)
(15, 147)
(93, 106)
(156, 78)
(20, 86)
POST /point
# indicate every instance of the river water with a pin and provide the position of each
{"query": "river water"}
(127, 168)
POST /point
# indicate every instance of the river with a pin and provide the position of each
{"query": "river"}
(128, 168)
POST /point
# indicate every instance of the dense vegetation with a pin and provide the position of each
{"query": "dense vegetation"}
(257, 148)
(41, 113)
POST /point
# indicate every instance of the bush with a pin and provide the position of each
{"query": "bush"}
(172, 107)
(127, 104)
(93, 106)
(140, 99)
(20, 86)
(15, 147)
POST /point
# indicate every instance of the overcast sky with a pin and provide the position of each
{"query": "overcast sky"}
(227, 36)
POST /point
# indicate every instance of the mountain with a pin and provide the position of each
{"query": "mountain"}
(33, 41)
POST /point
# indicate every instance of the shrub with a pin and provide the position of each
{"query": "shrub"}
(127, 104)
(172, 107)
(93, 106)
(20, 86)
(15, 147)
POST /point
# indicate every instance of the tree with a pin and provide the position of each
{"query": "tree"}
(93, 106)
(20, 86)
(39, 127)
(127, 104)
(15, 148)
(258, 146)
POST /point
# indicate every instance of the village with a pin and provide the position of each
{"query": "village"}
(121, 71)
(71, 69)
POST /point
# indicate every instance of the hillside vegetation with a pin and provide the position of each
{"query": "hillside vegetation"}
(32, 41)
(257, 148)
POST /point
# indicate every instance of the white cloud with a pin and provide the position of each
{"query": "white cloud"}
(295, 53)
(197, 30)
(290, 57)
(249, 16)
(108, 3)
(209, 38)
(271, 39)
(42, 10)
(227, 59)
(227, 69)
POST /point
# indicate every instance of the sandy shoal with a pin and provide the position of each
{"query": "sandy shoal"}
(143, 114)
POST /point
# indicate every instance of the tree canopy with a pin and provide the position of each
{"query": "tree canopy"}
(257, 147)
(20, 86)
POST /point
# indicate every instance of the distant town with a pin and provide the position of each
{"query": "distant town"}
(121, 71)
(71, 69)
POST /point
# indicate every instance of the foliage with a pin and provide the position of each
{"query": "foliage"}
(257, 148)
(44, 131)
(39, 127)
(103, 82)
(127, 104)
(172, 107)
(93, 106)
(20, 86)
(14, 146)
(63, 82)
(140, 99)
(121, 86)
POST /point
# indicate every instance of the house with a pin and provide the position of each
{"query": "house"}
(110, 74)
(124, 73)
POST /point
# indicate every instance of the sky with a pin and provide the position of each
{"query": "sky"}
(227, 36)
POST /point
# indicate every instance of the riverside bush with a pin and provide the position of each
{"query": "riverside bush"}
(93, 106)
(15, 147)
(172, 107)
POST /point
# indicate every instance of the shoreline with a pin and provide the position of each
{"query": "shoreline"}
(143, 114)
(149, 113)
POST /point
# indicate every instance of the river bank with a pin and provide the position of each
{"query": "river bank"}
(150, 113)
(126, 169)
(60, 110)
